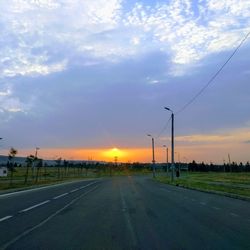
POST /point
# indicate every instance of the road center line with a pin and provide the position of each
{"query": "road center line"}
(235, 215)
(37, 205)
(74, 190)
(5, 218)
(203, 203)
(59, 196)
(216, 208)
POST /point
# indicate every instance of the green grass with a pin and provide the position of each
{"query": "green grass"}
(231, 183)
(46, 176)
(50, 176)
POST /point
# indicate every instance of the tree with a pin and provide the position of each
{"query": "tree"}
(38, 166)
(65, 166)
(58, 163)
(10, 165)
(29, 162)
(192, 166)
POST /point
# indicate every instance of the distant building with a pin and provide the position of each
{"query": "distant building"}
(3, 171)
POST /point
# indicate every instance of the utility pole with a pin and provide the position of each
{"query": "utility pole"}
(172, 144)
(36, 151)
(229, 161)
(179, 164)
(153, 154)
(166, 156)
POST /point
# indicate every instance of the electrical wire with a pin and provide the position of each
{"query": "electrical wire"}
(213, 77)
(164, 128)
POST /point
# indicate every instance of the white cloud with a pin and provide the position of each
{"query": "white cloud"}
(5, 92)
(40, 36)
(22, 62)
(32, 29)
(191, 36)
(135, 40)
(9, 103)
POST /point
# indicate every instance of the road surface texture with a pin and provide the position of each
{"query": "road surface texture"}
(130, 212)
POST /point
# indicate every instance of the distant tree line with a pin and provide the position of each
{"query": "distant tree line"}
(36, 170)
(233, 167)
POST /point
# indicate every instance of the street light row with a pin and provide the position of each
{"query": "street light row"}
(172, 147)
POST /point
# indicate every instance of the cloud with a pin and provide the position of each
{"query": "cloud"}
(38, 37)
(217, 138)
(35, 33)
(11, 103)
(23, 63)
(189, 35)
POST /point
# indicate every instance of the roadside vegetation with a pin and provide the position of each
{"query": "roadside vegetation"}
(222, 182)
(35, 172)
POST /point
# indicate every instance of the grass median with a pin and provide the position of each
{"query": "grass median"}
(227, 183)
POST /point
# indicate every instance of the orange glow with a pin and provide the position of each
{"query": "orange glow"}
(123, 155)
(115, 152)
(207, 148)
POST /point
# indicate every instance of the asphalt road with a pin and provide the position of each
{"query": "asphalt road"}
(122, 213)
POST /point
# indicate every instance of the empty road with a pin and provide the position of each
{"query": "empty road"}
(132, 212)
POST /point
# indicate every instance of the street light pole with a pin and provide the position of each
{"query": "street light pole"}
(178, 171)
(36, 151)
(153, 154)
(166, 156)
(172, 143)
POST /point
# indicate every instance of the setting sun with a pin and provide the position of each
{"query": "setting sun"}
(114, 152)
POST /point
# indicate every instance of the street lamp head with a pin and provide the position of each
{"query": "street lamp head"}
(149, 135)
(168, 109)
(164, 146)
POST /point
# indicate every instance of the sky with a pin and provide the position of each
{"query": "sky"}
(78, 78)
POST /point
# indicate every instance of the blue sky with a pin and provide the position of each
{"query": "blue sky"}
(95, 74)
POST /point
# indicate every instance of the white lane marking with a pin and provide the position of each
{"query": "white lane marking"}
(37, 205)
(74, 190)
(216, 208)
(59, 196)
(235, 215)
(5, 218)
(88, 185)
(45, 221)
(203, 203)
(40, 188)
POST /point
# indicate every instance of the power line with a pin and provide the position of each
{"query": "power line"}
(214, 76)
(164, 128)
